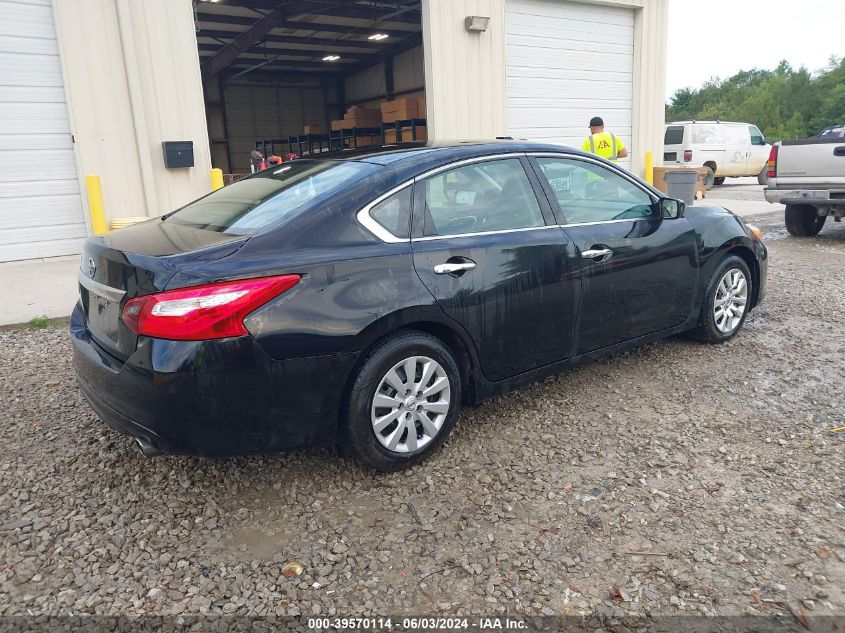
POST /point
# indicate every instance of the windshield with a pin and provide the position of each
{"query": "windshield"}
(252, 204)
(836, 132)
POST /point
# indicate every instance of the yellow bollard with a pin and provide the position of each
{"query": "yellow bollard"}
(95, 204)
(649, 168)
(216, 179)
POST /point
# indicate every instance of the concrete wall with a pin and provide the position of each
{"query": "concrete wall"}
(465, 72)
(132, 77)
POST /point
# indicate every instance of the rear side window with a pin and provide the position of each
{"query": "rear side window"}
(394, 213)
(674, 135)
(252, 204)
(482, 197)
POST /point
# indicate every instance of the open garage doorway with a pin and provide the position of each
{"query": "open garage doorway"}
(305, 76)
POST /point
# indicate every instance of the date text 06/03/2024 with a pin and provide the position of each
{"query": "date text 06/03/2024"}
(418, 624)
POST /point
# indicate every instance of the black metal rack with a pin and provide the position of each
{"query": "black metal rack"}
(398, 126)
(339, 137)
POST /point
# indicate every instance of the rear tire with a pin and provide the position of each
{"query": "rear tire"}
(719, 180)
(384, 407)
(802, 220)
(726, 302)
(709, 178)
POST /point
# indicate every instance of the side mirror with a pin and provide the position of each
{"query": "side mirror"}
(672, 208)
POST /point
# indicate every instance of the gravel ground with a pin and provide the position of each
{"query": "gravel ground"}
(678, 478)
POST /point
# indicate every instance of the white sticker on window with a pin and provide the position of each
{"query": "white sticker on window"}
(563, 184)
(465, 197)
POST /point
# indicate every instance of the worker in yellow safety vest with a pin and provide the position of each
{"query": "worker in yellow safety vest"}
(604, 144)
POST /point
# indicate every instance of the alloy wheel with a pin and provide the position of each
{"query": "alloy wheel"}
(411, 404)
(730, 301)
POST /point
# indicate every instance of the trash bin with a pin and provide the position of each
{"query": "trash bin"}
(681, 185)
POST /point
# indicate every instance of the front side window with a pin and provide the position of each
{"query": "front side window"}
(252, 204)
(489, 196)
(757, 137)
(588, 192)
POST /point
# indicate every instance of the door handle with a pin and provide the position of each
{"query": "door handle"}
(596, 253)
(839, 151)
(454, 267)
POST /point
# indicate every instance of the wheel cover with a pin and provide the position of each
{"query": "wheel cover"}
(410, 404)
(730, 301)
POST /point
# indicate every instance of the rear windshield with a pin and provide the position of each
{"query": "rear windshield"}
(252, 204)
(674, 135)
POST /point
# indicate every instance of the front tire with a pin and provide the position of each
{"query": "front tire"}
(802, 220)
(403, 401)
(719, 180)
(726, 302)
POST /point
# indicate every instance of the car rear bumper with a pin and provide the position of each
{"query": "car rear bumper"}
(223, 397)
(813, 197)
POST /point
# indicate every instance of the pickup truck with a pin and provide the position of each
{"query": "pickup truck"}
(808, 176)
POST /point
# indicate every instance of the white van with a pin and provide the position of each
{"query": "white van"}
(728, 149)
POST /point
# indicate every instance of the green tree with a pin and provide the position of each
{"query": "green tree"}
(784, 102)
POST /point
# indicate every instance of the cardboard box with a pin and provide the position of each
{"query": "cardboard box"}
(313, 128)
(337, 124)
(400, 109)
(357, 116)
(421, 107)
(364, 141)
(406, 134)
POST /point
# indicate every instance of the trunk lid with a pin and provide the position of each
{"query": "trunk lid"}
(819, 162)
(136, 261)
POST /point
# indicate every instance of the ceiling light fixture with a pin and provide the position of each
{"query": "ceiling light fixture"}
(378, 36)
(331, 58)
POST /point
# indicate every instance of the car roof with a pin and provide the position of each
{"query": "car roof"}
(405, 160)
(708, 123)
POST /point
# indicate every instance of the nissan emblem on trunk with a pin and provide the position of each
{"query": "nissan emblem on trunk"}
(92, 267)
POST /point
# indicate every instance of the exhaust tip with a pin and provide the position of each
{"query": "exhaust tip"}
(147, 449)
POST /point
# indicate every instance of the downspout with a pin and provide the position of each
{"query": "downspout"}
(136, 100)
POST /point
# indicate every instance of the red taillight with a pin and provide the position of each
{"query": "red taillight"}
(203, 312)
(773, 162)
(687, 155)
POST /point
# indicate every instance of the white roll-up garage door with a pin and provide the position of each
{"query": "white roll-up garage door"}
(566, 63)
(41, 212)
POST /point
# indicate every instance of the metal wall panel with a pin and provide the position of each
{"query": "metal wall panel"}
(268, 112)
(41, 211)
(568, 62)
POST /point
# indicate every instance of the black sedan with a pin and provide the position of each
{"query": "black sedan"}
(361, 298)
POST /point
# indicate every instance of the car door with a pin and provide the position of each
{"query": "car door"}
(758, 154)
(737, 149)
(489, 250)
(638, 269)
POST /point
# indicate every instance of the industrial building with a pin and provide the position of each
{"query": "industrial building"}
(151, 95)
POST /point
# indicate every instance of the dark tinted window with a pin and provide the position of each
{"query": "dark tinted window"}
(488, 196)
(674, 135)
(587, 192)
(254, 203)
(835, 132)
(394, 213)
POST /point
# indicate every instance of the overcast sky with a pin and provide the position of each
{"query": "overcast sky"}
(721, 37)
